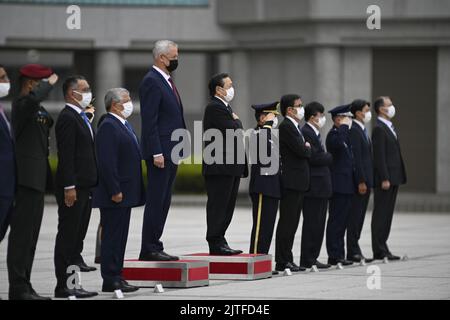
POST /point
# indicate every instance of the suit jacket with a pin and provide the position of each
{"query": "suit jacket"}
(7, 160)
(161, 114)
(265, 178)
(362, 155)
(218, 116)
(387, 155)
(294, 158)
(319, 163)
(119, 165)
(76, 151)
(31, 126)
(342, 168)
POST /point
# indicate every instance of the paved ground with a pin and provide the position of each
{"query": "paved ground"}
(425, 237)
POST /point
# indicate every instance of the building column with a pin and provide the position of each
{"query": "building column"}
(108, 74)
(328, 79)
(442, 121)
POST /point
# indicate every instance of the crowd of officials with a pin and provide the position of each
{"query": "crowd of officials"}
(101, 168)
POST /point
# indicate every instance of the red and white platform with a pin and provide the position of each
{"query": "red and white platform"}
(236, 267)
(171, 274)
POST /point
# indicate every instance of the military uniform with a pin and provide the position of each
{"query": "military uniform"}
(31, 126)
(264, 188)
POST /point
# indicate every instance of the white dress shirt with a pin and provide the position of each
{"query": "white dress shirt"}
(389, 124)
(165, 75)
(314, 128)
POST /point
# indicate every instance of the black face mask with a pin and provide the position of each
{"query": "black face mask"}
(173, 65)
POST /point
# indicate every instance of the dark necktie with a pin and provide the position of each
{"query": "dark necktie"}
(131, 131)
(366, 135)
(86, 120)
(175, 91)
(393, 130)
(2, 113)
(300, 132)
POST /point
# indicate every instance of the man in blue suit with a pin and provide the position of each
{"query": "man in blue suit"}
(120, 185)
(161, 114)
(342, 180)
(7, 160)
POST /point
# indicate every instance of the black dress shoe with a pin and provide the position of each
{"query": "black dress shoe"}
(290, 265)
(172, 258)
(275, 273)
(155, 256)
(223, 251)
(118, 285)
(343, 262)
(28, 296)
(78, 293)
(321, 265)
(356, 258)
(85, 268)
(235, 251)
(391, 257)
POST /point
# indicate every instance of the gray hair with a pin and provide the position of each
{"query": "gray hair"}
(162, 47)
(114, 95)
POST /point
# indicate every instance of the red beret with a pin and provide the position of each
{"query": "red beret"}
(36, 71)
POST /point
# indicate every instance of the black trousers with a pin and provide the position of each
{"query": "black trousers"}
(73, 224)
(383, 211)
(115, 224)
(6, 210)
(159, 196)
(222, 193)
(264, 215)
(340, 205)
(291, 205)
(23, 236)
(356, 222)
(313, 229)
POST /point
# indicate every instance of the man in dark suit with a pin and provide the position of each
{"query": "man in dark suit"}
(120, 185)
(343, 182)
(362, 155)
(7, 160)
(31, 125)
(295, 152)
(315, 204)
(390, 173)
(161, 114)
(264, 187)
(222, 169)
(75, 176)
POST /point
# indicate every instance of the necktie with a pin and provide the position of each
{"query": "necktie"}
(2, 113)
(86, 120)
(393, 130)
(367, 135)
(300, 131)
(175, 91)
(320, 140)
(130, 129)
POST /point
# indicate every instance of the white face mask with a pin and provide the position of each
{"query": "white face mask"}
(275, 123)
(127, 109)
(300, 113)
(85, 100)
(4, 89)
(230, 95)
(322, 121)
(367, 117)
(391, 111)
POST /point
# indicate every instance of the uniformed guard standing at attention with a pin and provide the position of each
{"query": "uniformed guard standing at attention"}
(31, 126)
(343, 183)
(264, 185)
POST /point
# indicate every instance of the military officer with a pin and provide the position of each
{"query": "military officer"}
(264, 185)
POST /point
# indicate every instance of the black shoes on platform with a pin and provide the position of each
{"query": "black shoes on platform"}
(223, 250)
(157, 256)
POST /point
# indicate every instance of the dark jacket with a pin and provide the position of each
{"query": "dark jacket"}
(342, 168)
(218, 116)
(161, 114)
(362, 155)
(294, 158)
(31, 126)
(319, 163)
(7, 160)
(388, 160)
(119, 166)
(265, 178)
(76, 151)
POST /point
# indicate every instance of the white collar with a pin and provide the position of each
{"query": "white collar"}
(224, 102)
(385, 121)
(293, 121)
(359, 123)
(116, 116)
(314, 128)
(74, 107)
(165, 75)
